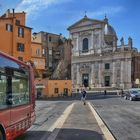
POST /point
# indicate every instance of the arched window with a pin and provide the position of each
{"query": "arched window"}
(85, 45)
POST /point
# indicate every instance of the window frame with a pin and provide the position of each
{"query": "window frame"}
(107, 66)
(20, 32)
(9, 27)
(85, 45)
(20, 47)
(12, 70)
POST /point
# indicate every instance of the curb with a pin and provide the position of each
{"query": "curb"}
(55, 128)
(107, 133)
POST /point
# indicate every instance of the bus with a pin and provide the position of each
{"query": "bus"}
(17, 97)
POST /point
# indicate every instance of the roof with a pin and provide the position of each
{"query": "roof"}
(85, 18)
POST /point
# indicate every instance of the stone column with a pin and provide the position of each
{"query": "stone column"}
(113, 75)
(129, 74)
(100, 75)
(122, 74)
(92, 81)
(77, 45)
(92, 43)
(77, 77)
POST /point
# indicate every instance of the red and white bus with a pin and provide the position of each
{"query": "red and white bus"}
(17, 97)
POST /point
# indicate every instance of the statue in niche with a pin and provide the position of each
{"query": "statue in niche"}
(122, 41)
(130, 41)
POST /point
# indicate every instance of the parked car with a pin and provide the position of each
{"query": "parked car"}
(132, 94)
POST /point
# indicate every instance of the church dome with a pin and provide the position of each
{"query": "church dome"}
(109, 30)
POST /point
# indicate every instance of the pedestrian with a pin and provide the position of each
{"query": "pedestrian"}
(104, 92)
(84, 96)
(122, 93)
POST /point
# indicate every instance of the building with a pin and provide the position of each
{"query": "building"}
(15, 37)
(53, 88)
(97, 61)
(57, 53)
(37, 59)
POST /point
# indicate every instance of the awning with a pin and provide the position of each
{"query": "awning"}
(39, 86)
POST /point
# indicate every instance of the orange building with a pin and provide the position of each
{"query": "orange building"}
(53, 88)
(37, 58)
(15, 37)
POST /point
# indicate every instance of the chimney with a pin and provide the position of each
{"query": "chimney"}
(13, 12)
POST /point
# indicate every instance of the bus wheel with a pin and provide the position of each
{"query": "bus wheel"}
(1, 135)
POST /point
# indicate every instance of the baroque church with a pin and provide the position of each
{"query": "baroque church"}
(97, 61)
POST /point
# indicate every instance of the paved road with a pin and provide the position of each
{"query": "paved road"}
(47, 112)
(121, 116)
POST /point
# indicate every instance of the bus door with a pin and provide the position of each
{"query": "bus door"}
(20, 105)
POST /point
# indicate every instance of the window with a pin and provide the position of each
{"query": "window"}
(20, 58)
(50, 38)
(107, 66)
(50, 52)
(17, 22)
(20, 88)
(43, 51)
(9, 27)
(38, 51)
(85, 45)
(20, 32)
(14, 83)
(2, 91)
(20, 47)
(56, 90)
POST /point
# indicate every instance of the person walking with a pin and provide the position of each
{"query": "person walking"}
(104, 92)
(84, 96)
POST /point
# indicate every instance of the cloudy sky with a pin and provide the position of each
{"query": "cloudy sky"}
(56, 15)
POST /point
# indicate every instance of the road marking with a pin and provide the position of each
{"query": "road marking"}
(107, 134)
(55, 128)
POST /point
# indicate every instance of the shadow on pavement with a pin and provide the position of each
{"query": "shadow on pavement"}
(32, 135)
(78, 134)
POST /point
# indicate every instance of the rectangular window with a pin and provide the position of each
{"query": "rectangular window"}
(56, 90)
(50, 39)
(3, 85)
(9, 27)
(38, 51)
(107, 66)
(14, 84)
(20, 89)
(20, 32)
(50, 52)
(17, 22)
(20, 47)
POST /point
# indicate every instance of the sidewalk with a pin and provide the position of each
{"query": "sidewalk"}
(80, 125)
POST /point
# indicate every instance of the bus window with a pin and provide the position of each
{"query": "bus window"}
(2, 91)
(20, 88)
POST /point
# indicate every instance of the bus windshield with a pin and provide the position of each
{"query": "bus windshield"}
(14, 83)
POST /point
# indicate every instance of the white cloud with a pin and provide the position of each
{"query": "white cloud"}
(106, 10)
(32, 7)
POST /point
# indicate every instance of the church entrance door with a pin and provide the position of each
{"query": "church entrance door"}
(107, 81)
(85, 80)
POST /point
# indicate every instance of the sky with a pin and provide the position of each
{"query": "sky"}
(55, 16)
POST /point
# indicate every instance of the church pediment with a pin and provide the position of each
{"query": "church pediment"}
(85, 22)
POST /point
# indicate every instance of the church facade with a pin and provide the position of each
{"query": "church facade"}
(97, 61)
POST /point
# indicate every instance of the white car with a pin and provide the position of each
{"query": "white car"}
(132, 94)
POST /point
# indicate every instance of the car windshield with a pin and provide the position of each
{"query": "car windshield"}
(135, 92)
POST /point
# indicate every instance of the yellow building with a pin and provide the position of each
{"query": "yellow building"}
(37, 58)
(53, 88)
(15, 36)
